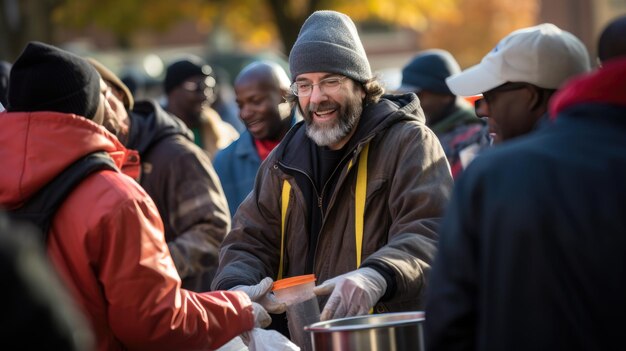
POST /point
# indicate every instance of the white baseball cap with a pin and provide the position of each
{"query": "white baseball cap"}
(543, 55)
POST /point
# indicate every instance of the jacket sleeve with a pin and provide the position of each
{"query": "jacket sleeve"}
(146, 308)
(199, 215)
(419, 189)
(248, 253)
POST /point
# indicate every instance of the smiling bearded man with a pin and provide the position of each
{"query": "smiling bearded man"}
(353, 194)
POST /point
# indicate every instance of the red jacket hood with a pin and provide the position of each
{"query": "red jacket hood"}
(607, 85)
(36, 146)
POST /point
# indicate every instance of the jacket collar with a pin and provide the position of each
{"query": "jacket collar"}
(391, 109)
(150, 123)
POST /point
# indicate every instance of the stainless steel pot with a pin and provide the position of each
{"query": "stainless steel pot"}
(384, 332)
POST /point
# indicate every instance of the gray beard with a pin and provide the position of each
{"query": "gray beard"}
(323, 135)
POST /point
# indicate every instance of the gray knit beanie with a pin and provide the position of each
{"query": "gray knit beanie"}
(329, 42)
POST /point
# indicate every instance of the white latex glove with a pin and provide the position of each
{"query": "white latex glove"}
(267, 340)
(261, 293)
(261, 318)
(353, 293)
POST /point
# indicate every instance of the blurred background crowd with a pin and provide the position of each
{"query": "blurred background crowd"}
(137, 38)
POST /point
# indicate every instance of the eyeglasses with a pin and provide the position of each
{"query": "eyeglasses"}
(199, 87)
(489, 95)
(327, 86)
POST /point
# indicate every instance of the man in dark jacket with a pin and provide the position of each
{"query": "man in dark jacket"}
(520, 75)
(531, 253)
(180, 179)
(451, 117)
(190, 85)
(353, 194)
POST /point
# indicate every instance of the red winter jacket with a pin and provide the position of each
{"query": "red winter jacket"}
(106, 241)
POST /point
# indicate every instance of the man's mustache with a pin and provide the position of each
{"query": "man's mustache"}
(324, 106)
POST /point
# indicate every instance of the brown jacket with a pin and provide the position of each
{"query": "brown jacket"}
(408, 185)
(180, 179)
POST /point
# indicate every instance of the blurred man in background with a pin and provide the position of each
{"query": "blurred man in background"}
(189, 85)
(451, 117)
(261, 88)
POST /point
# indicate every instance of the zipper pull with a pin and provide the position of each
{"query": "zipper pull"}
(319, 202)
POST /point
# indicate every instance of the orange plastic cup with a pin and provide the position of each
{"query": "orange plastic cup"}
(302, 306)
(294, 289)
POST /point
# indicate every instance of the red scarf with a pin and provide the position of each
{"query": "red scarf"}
(264, 147)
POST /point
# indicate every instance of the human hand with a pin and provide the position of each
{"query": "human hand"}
(261, 294)
(353, 293)
(261, 318)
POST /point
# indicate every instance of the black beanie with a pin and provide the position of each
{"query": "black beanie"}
(428, 71)
(329, 42)
(184, 69)
(46, 78)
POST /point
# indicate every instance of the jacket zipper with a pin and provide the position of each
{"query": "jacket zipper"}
(352, 153)
(317, 194)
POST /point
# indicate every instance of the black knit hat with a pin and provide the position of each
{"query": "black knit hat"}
(184, 69)
(428, 71)
(329, 42)
(46, 78)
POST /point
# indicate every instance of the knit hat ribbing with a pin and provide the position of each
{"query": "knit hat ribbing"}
(46, 78)
(329, 42)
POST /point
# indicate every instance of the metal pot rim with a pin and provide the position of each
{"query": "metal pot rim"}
(327, 327)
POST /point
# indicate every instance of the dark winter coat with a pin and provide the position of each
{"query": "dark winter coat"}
(408, 185)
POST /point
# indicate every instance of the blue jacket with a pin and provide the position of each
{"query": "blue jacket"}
(236, 166)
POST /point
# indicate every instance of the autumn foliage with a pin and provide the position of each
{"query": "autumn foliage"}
(467, 28)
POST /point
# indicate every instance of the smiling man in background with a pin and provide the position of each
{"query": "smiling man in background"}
(261, 88)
